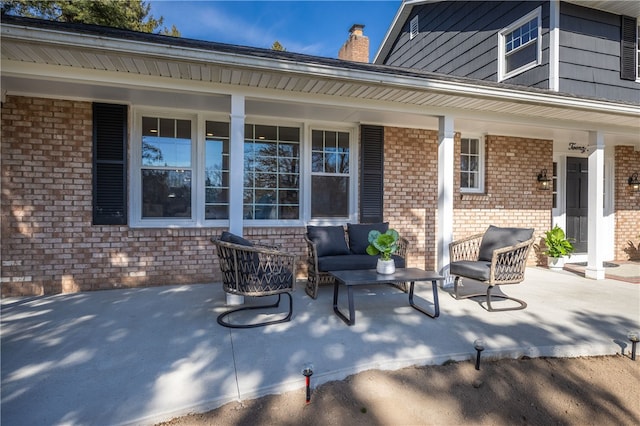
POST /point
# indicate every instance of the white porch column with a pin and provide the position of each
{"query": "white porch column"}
(236, 175)
(236, 166)
(445, 192)
(596, 225)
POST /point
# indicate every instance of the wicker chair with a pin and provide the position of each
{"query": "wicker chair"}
(256, 271)
(495, 257)
(316, 277)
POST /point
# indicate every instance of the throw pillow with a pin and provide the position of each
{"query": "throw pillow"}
(359, 235)
(329, 240)
(228, 237)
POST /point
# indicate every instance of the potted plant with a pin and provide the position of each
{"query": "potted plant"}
(384, 245)
(558, 246)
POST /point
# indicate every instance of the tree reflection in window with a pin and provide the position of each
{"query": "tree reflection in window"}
(271, 172)
(329, 174)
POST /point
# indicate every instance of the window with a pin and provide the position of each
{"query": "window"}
(330, 181)
(180, 170)
(166, 172)
(216, 170)
(519, 46)
(271, 172)
(471, 165)
(638, 52)
(414, 29)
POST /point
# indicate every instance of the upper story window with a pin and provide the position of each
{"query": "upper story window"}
(471, 165)
(519, 46)
(413, 28)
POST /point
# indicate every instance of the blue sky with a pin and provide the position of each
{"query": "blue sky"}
(316, 27)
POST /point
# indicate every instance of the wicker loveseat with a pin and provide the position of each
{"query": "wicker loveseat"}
(254, 270)
(496, 257)
(334, 248)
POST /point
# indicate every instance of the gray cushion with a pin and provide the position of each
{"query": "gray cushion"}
(496, 238)
(228, 237)
(353, 262)
(359, 235)
(329, 240)
(480, 270)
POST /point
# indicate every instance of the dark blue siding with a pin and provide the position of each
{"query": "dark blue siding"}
(590, 55)
(461, 38)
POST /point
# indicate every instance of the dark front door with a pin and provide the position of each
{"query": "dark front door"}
(577, 198)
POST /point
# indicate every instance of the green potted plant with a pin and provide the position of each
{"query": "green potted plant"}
(558, 246)
(383, 245)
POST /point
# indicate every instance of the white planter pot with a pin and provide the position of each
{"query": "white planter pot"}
(386, 266)
(555, 263)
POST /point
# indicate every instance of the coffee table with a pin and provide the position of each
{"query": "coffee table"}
(370, 276)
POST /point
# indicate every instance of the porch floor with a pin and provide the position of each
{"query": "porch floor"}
(139, 356)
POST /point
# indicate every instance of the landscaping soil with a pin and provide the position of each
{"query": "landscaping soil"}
(541, 391)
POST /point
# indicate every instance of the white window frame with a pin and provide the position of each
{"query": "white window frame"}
(502, 63)
(414, 28)
(481, 164)
(353, 174)
(303, 152)
(198, 139)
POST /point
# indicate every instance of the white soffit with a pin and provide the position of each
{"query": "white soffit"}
(60, 56)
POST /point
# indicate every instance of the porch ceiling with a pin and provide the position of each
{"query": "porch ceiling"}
(54, 63)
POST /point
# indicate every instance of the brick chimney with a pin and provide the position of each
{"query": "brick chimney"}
(356, 48)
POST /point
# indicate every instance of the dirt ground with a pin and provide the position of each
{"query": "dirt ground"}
(540, 391)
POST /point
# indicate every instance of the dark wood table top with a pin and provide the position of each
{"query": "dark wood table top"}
(370, 276)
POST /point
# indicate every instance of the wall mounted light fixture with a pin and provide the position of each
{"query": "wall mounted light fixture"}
(634, 183)
(544, 183)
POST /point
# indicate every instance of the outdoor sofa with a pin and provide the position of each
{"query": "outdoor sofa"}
(335, 248)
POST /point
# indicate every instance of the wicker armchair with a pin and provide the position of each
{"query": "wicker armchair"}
(316, 277)
(256, 271)
(495, 257)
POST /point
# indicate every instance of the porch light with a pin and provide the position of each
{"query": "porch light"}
(479, 345)
(634, 183)
(633, 338)
(543, 180)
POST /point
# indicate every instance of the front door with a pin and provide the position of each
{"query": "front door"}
(577, 198)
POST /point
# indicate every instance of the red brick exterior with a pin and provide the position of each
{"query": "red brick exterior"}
(511, 196)
(627, 204)
(49, 244)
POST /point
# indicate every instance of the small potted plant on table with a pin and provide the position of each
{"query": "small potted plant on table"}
(384, 245)
(558, 246)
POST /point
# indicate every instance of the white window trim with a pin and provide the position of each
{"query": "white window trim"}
(414, 29)
(502, 74)
(256, 223)
(353, 174)
(198, 137)
(481, 165)
(135, 165)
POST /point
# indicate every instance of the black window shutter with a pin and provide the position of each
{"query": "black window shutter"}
(628, 48)
(109, 164)
(372, 169)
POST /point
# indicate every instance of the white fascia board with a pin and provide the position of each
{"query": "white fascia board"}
(392, 33)
(335, 73)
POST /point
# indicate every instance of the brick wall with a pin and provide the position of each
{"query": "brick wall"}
(627, 204)
(411, 190)
(511, 196)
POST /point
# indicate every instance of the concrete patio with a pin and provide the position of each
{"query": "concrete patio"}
(138, 356)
